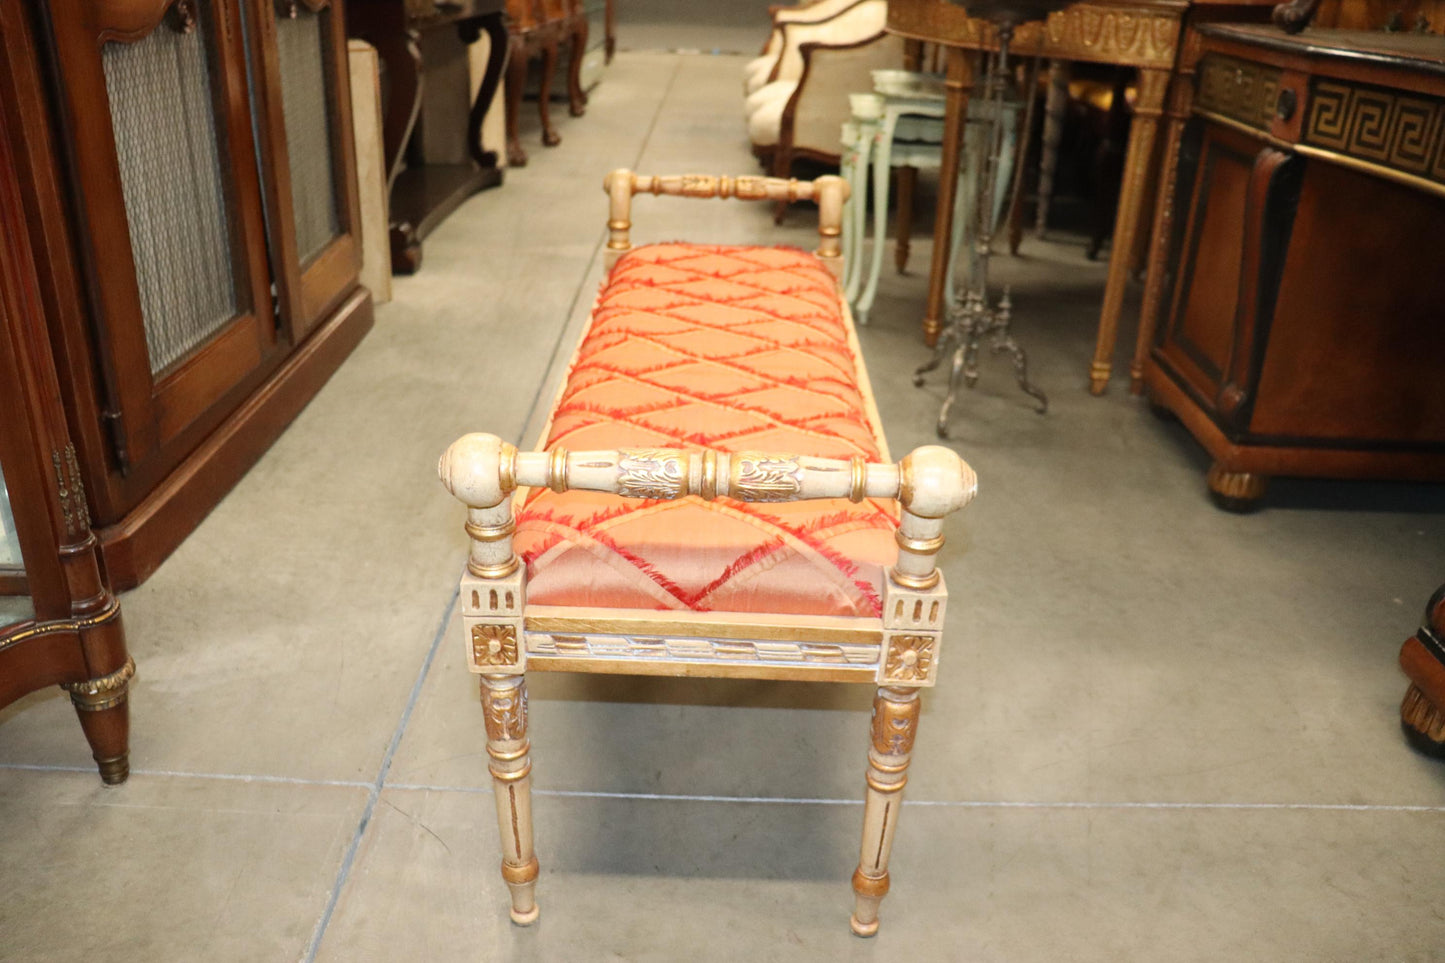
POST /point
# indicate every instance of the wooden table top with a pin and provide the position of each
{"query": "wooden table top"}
(1407, 51)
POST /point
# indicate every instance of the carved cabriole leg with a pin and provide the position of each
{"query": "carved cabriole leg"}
(895, 722)
(516, 80)
(1181, 97)
(105, 719)
(550, 137)
(576, 96)
(504, 706)
(1152, 85)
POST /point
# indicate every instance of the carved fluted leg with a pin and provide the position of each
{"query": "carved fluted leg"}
(1056, 104)
(1152, 85)
(576, 96)
(504, 705)
(895, 721)
(957, 86)
(105, 719)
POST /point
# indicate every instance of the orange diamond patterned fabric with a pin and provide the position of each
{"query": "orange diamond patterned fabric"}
(734, 348)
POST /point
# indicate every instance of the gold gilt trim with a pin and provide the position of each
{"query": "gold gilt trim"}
(506, 712)
(677, 649)
(910, 658)
(63, 625)
(894, 726)
(700, 628)
(761, 478)
(106, 692)
(71, 490)
(1395, 134)
(494, 644)
(653, 473)
(1245, 92)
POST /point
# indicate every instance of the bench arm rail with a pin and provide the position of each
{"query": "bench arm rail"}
(483, 471)
(829, 191)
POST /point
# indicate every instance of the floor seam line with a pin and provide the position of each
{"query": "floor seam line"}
(939, 803)
(374, 795)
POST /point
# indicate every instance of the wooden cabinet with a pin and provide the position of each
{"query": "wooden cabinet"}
(191, 200)
(66, 628)
(1302, 331)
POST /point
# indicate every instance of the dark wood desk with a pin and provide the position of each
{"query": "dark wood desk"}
(431, 134)
(1302, 333)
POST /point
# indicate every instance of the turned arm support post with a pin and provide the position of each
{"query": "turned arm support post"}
(828, 191)
(483, 471)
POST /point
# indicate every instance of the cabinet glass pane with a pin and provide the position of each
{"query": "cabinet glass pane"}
(13, 608)
(169, 147)
(9, 541)
(302, 46)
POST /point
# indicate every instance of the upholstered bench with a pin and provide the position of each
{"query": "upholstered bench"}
(763, 532)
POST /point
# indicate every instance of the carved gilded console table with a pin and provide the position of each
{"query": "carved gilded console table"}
(1144, 35)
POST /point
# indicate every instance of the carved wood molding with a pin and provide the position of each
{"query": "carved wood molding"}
(128, 21)
(910, 659)
(642, 648)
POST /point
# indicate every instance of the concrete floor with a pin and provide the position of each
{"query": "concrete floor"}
(1161, 732)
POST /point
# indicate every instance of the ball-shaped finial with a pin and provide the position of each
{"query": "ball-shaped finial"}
(936, 481)
(472, 469)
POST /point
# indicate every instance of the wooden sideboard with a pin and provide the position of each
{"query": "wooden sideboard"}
(431, 126)
(1301, 331)
(189, 185)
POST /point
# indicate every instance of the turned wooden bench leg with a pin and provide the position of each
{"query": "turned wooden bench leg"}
(504, 704)
(895, 722)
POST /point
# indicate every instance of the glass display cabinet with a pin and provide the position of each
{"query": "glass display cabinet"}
(59, 622)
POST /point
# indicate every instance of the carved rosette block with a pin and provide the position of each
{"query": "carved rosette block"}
(891, 734)
(910, 660)
(504, 711)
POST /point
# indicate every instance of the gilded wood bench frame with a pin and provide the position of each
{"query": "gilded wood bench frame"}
(898, 653)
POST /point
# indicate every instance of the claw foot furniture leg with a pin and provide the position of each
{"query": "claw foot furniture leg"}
(504, 704)
(895, 721)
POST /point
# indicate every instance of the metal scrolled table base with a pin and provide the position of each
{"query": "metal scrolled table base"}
(972, 318)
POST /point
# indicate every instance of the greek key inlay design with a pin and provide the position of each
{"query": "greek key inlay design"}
(651, 473)
(1392, 129)
(910, 658)
(494, 644)
(1240, 90)
(757, 478)
(701, 650)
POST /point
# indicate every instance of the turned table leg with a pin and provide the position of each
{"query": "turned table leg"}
(1056, 104)
(895, 722)
(1152, 85)
(504, 705)
(550, 137)
(956, 85)
(516, 80)
(105, 720)
(1181, 97)
(576, 96)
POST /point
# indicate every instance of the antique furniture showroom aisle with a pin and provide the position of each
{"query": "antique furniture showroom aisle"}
(1161, 732)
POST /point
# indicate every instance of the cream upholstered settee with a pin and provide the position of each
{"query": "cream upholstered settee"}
(800, 109)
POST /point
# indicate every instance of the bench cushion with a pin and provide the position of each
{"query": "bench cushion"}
(735, 348)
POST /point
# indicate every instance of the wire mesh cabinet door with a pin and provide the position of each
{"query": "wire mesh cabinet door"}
(154, 102)
(301, 89)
